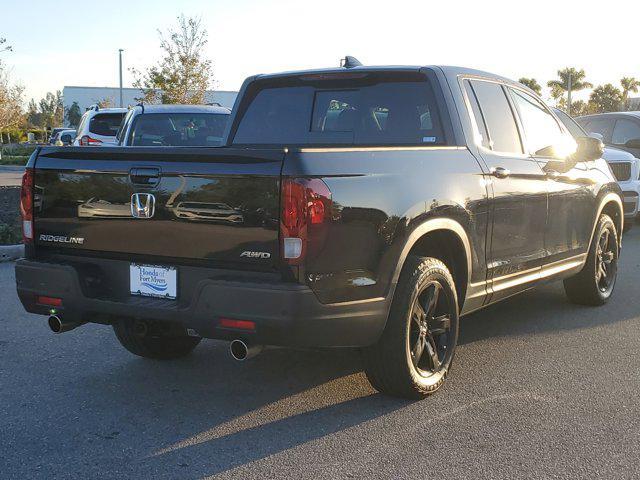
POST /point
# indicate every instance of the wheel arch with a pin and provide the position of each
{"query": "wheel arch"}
(446, 240)
(611, 204)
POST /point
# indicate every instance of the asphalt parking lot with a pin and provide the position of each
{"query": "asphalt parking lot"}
(540, 389)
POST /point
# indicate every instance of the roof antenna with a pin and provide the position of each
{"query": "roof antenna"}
(141, 105)
(350, 62)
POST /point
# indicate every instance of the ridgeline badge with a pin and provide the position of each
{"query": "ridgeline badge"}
(61, 239)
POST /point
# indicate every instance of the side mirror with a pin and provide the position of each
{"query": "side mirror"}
(633, 143)
(66, 139)
(589, 149)
(597, 136)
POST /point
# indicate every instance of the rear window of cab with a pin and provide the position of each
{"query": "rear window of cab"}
(344, 109)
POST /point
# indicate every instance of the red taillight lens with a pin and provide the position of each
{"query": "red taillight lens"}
(237, 324)
(306, 209)
(49, 301)
(26, 205)
(86, 141)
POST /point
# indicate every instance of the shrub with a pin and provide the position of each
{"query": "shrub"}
(9, 235)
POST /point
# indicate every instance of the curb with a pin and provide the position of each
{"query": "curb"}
(11, 252)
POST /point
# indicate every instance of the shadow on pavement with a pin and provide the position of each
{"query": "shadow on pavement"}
(219, 414)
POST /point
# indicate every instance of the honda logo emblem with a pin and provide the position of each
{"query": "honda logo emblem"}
(143, 205)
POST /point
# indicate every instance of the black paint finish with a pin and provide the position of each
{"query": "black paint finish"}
(214, 204)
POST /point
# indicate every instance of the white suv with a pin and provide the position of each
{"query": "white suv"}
(98, 127)
(624, 166)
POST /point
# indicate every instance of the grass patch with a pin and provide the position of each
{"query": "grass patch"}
(13, 160)
(19, 150)
(16, 154)
(9, 235)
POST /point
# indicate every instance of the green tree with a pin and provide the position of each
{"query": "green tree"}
(579, 107)
(10, 101)
(629, 84)
(561, 86)
(605, 98)
(532, 83)
(48, 112)
(73, 115)
(183, 73)
(105, 103)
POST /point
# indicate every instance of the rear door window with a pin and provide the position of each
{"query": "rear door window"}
(603, 126)
(372, 110)
(624, 131)
(478, 120)
(498, 117)
(105, 124)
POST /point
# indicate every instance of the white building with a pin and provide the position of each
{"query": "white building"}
(87, 96)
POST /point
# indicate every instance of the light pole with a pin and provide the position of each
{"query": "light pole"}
(120, 62)
(569, 94)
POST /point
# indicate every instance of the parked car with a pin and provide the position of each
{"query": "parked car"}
(624, 166)
(173, 125)
(405, 198)
(98, 126)
(63, 137)
(619, 129)
(54, 133)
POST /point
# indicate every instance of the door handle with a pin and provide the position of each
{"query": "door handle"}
(500, 172)
(145, 176)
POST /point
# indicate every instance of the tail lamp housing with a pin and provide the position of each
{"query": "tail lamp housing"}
(305, 215)
(26, 205)
(87, 141)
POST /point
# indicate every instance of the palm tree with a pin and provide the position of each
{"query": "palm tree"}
(532, 83)
(605, 98)
(569, 80)
(629, 84)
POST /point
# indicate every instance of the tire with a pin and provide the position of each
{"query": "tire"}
(593, 286)
(390, 364)
(153, 343)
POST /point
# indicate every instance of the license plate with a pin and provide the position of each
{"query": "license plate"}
(153, 281)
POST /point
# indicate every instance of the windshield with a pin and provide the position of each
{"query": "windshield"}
(574, 129)
(357, 109)
(178, 129)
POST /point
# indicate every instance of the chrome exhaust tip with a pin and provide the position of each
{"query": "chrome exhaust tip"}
(58, 325)
(241, 351)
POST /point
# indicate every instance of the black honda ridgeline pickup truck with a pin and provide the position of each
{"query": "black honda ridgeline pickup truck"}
(358, 206)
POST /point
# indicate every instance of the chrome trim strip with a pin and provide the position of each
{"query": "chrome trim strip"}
(545, 271)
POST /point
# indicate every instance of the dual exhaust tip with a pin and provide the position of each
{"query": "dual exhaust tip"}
(238, 349)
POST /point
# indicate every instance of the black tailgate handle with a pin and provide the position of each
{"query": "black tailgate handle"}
(145, 176)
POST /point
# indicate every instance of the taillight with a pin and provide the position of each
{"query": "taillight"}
(49, 301)
(26, 205)
(306, 212)
(237, 324)
(86, 141)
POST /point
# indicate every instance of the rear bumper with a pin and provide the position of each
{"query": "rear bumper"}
(284, 313)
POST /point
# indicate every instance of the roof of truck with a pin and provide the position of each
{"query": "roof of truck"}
(448, 70)
(173, 108)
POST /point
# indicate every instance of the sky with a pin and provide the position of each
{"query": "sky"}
(76, 43)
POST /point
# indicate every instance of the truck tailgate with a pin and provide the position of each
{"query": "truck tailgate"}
(216, 205)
